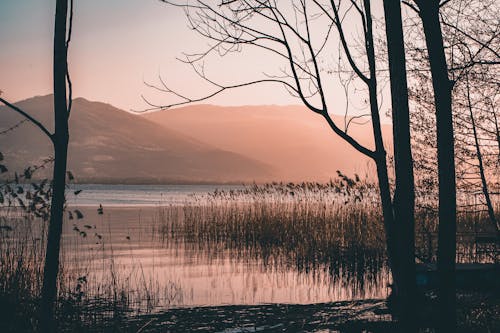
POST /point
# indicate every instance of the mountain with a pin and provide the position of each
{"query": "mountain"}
(111, 145)
(296, 141)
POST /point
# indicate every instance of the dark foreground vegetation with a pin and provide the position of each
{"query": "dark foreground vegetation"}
(290, 229)
(309, 227)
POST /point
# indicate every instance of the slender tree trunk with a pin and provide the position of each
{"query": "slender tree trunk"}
(497, 129)
(388, 216)
(429, 13)
(404, 196)
(484, 183)
(394, 249)
(60, 142)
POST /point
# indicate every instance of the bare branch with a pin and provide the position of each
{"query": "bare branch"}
(336, 20)
(155, 107)
(13, 127)
(355, 144)
(229, 27)
(30, 118)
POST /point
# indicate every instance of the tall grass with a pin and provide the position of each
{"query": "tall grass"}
(91, 293)
(335, 227)
(21, 268)
(304, 225)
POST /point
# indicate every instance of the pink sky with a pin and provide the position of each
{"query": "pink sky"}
(118, 44)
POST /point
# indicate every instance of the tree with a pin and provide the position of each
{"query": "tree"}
(299, 33)
(480, 158)
(474, 61)
(429, 13)
(59, 139)
(404, 196)
(459, 42)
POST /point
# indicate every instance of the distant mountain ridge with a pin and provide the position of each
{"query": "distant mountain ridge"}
(193, 144)
(296, 141)
(114, 146)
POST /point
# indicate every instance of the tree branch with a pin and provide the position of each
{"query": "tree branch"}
(155, 107)
(30, 118)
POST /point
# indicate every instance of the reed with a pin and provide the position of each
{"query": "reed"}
(334, 227)
(337, 225)
(85, 298)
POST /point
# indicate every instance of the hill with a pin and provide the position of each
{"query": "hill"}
(111, 145)
(296, 141)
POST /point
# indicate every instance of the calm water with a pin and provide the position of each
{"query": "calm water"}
(138, 195)
(125, 239)
(123, 247)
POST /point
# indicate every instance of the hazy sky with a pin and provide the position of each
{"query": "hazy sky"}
(116, 44)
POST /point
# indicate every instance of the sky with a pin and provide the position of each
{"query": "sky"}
(118, 44)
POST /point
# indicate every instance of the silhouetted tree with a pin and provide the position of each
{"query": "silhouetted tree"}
(479, 155)
(471, 47)
(404, 196)
(59, 140)
(460, 41)
(299, 32)
(442, 86)
(474, 63)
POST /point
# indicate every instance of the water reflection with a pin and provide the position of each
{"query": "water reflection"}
(125, 246)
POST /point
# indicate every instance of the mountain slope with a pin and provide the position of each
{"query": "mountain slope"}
(111, 145)
(296, 141)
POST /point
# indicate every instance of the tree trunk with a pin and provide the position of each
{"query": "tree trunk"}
(497, 129)
(404, 196)
(388, 216)
(484, 183)
(60, 142)
(429, 13)
(394, 249)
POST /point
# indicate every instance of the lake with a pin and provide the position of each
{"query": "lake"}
(127, 243)
(198, 256)
(138, 195)
(176, 246)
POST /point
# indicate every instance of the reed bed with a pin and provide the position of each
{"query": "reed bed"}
(306, 230)
(335, 227)
(309, 224)
(91, 293)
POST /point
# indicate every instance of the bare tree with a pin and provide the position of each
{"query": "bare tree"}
(404, 196)
(471, 29)
(299, 33)
(480, 157)
(473, 33)
(456, 41)
(442, 87)
(59, 140)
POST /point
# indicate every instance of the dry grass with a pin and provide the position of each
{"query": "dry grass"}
(84, 299)
(309, 226)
